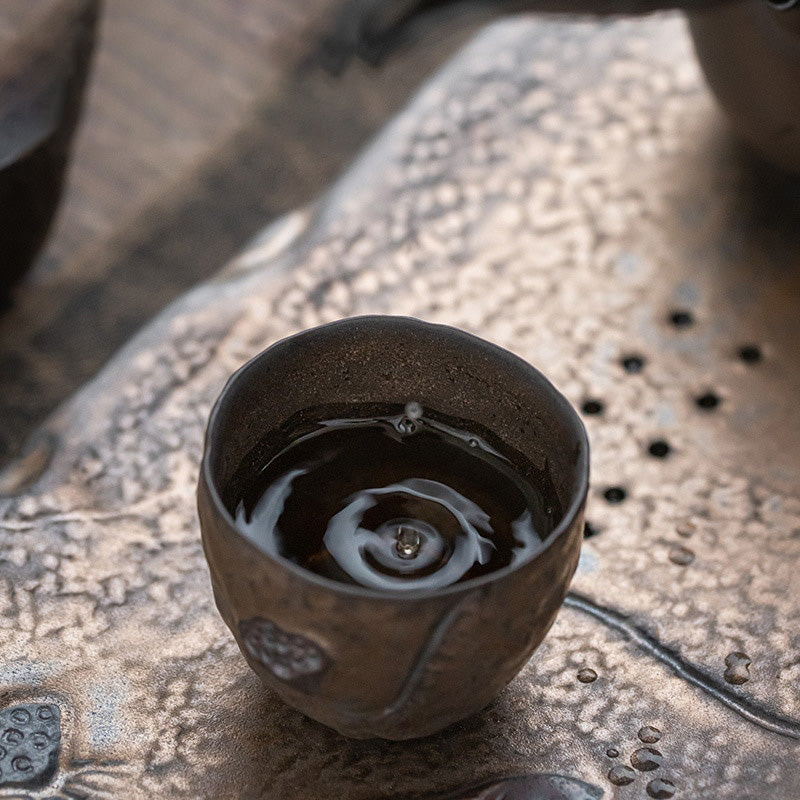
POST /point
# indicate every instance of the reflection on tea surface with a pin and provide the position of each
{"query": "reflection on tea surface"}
(404, 501)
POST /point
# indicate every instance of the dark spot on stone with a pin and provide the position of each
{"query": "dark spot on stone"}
(589, 530)
(659, 448)
(750, 353)
(633, 364)
(680, 318)
(13, 736)
(615, 494)
(31, 740)
(593, 407)
(708, 401)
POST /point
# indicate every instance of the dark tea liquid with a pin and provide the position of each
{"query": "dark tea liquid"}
(401, 502)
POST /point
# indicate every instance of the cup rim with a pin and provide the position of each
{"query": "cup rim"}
(572, 510)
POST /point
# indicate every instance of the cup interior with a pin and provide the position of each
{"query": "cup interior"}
(394, 360)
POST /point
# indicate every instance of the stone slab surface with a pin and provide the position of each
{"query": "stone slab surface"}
(560, 189)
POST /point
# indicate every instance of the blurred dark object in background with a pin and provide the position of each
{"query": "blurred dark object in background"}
(750, 54)
(749, 51)
(370, 29)
(45, 50)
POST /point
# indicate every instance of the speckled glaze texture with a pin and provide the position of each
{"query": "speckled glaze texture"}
(365, 663)
(559, 189)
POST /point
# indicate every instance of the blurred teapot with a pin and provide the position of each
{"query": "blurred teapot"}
(748, 49)
(750, 53)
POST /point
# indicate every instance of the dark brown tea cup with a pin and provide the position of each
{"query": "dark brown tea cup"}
(370, 662)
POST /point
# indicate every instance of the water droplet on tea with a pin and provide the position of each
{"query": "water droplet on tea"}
(737, 668)
(646, 759)
(587, 675)
(649, 734)
(612, 752)
(413, 410)
(621, 775)
(408, 542)
(661, 788)
(680, 555)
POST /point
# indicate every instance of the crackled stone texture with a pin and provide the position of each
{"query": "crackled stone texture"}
(560, 189)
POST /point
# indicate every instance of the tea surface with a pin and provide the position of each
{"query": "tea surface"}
(401, 502)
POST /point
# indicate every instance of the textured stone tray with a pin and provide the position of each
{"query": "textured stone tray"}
(561, 190)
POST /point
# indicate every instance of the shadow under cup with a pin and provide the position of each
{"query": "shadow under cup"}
(378, 663)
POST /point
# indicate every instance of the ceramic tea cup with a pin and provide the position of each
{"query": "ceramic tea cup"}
(375, 663)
